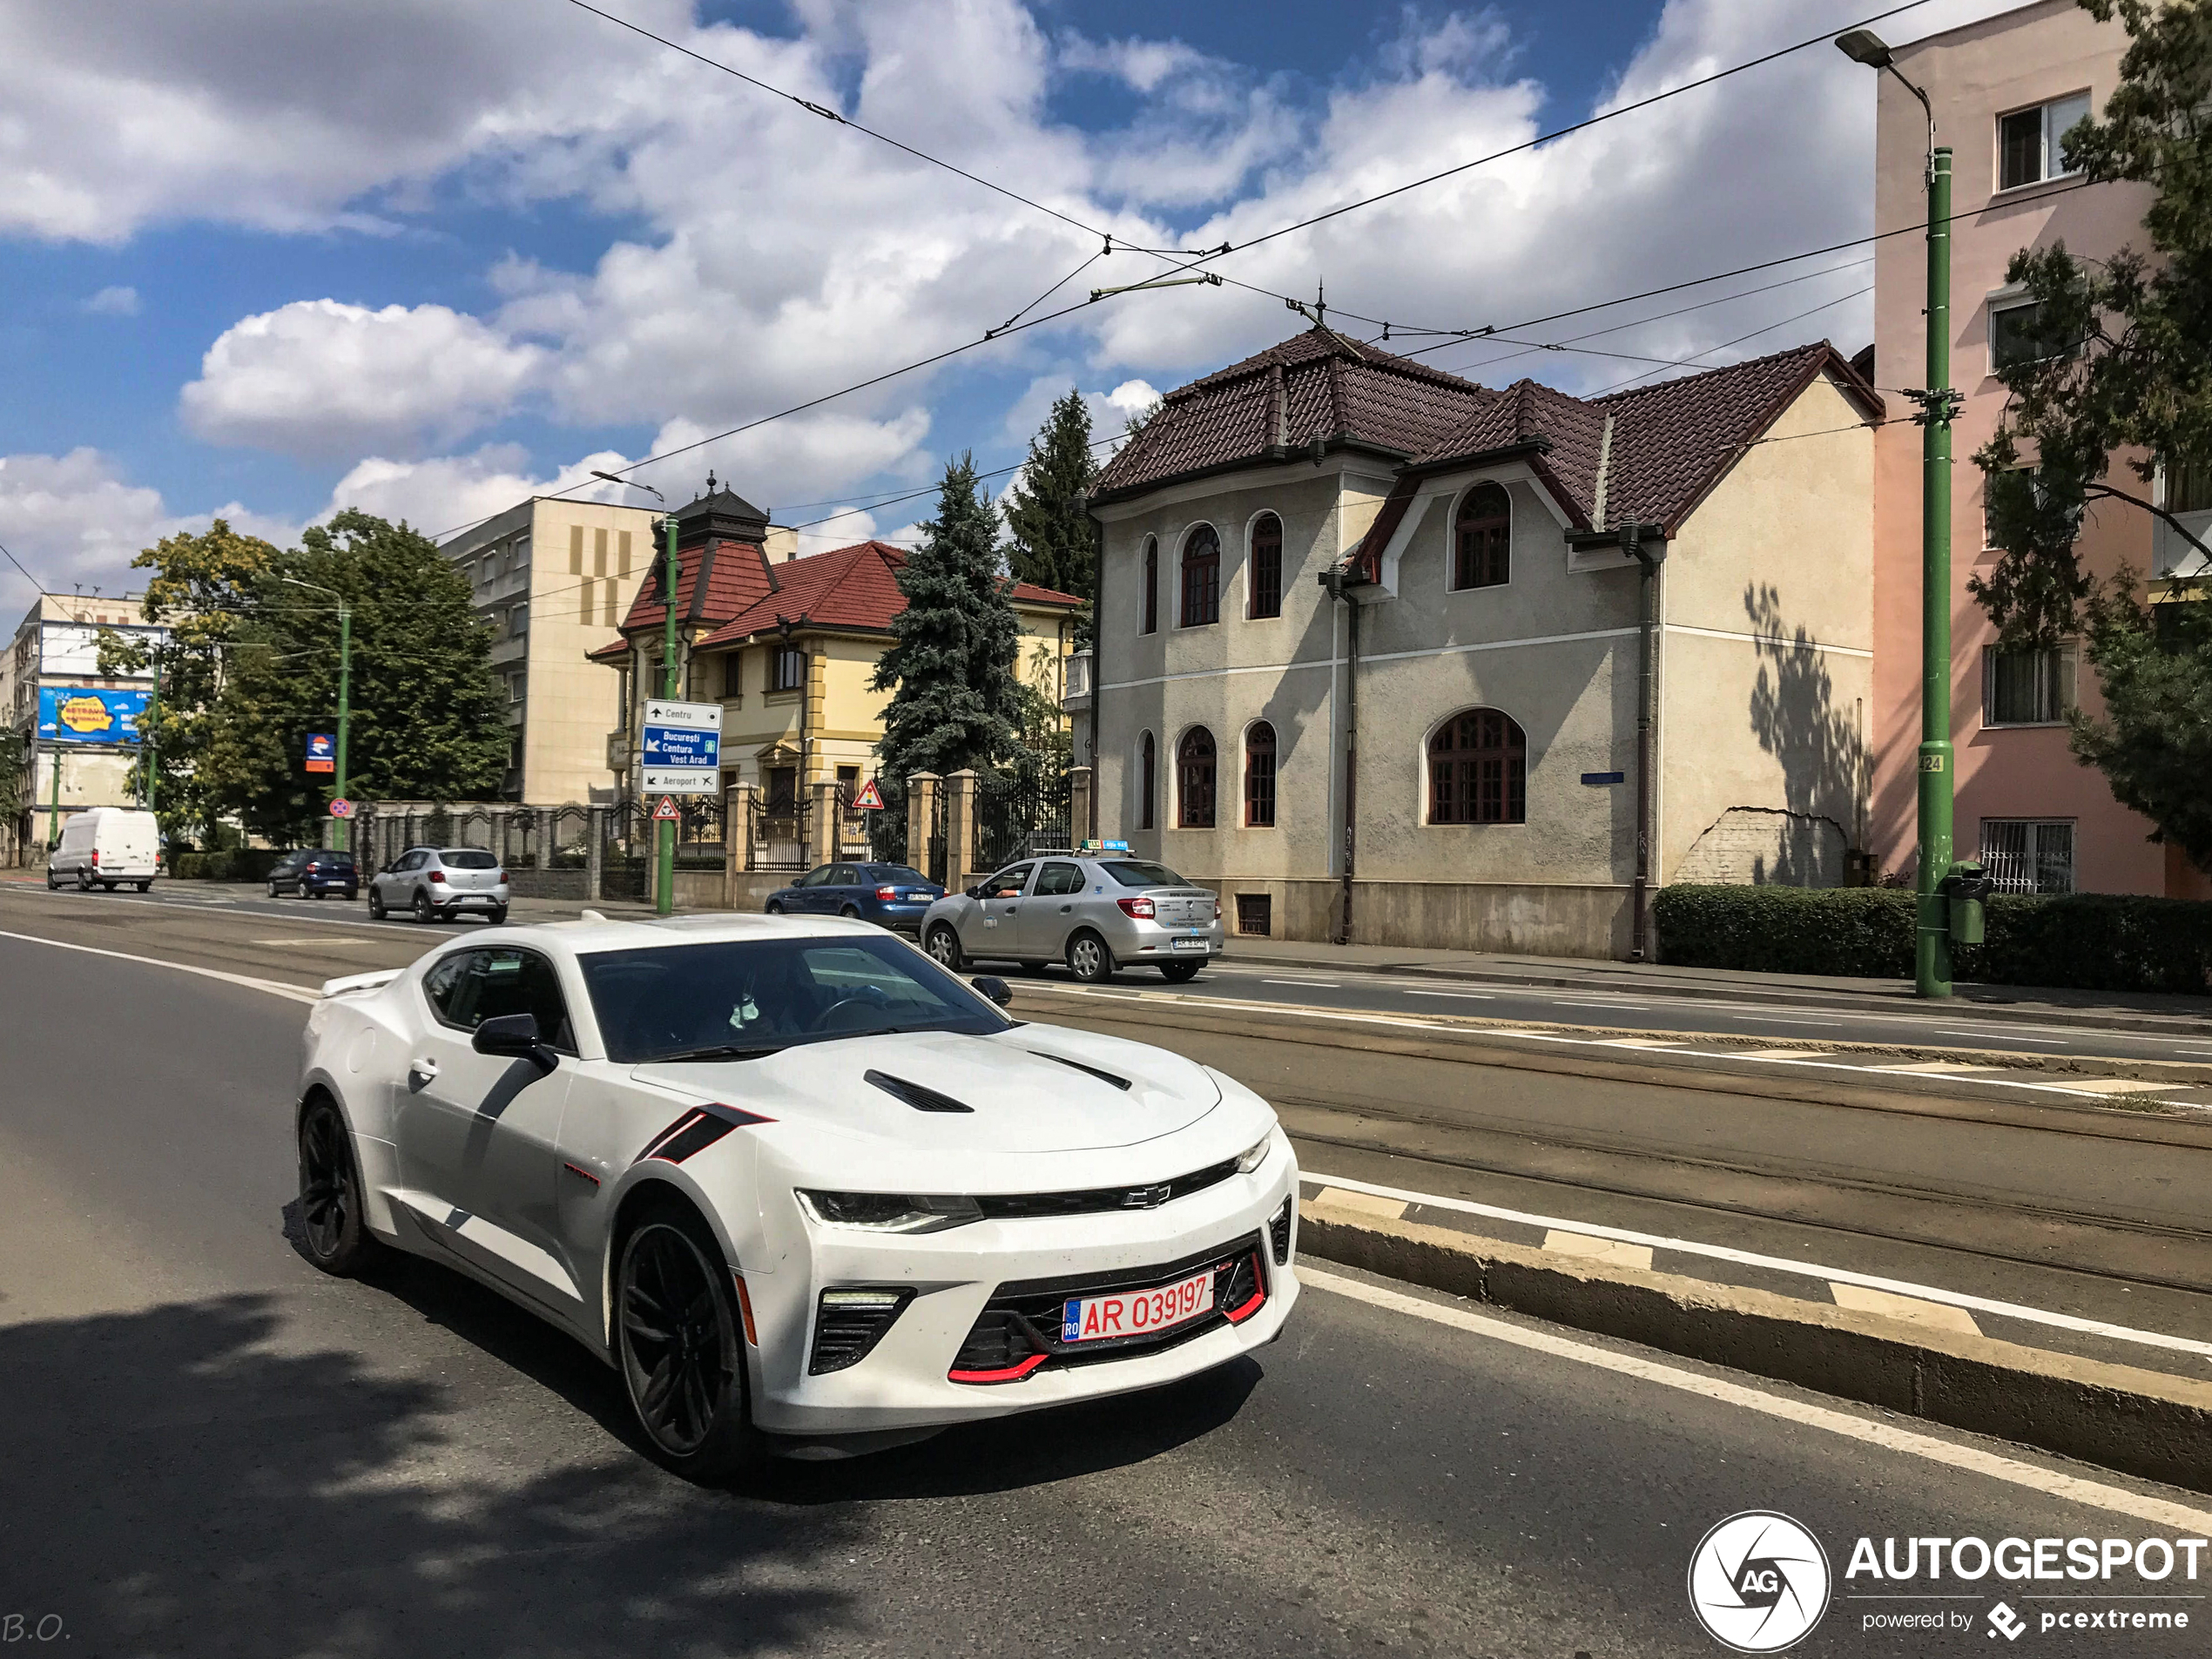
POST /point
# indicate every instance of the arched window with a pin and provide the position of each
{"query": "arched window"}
(1259, 776)
(1151, 585)
(1146, 770)
(1482, 539)
(1478, 769)
(1267, 566)
(1201, 578)
(1194, 779)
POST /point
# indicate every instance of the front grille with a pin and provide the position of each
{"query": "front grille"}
(1018, 1332)
(1022, 1206)
(1278, 1230)
(850, 1320)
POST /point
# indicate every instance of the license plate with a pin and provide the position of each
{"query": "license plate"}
(1186, 944)
(1135, 1313)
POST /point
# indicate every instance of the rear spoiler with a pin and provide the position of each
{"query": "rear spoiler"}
(360, 982)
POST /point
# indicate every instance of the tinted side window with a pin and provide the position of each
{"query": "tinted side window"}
(1007, 884)
(497, 983)
(438, 983)
(844, 876)
(1061, 879)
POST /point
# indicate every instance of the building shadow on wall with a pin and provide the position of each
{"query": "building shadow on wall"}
(1817, 742)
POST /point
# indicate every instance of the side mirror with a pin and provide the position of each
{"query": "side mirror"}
(995, 987)
(976, 891)
(514, 1036)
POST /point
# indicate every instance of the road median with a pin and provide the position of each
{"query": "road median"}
(2140, 1422)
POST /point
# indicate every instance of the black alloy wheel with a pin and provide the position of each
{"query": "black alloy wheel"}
(337, 1238)
(422, 912)
(944, 947)
(1180, 972)
(774, 907)
(1090, 959)
(682, 1354)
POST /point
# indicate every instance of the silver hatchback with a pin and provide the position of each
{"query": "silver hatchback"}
(1095, 914)
(437, 883)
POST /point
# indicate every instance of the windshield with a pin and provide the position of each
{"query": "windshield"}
(1135, 873)
(340, 858)
(755, 996)
(467, 857)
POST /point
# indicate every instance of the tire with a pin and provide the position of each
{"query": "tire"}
(273, 890)
(53, 882)
(334, 1230)
(851, 912)
(423, 912)
(944, 945)
(107, 886)
(774, 907)
(375, 905)
(680, 1348)
(146, 887)
(1180, 972)
(498, 914)
(1090, 959)
(84, 881)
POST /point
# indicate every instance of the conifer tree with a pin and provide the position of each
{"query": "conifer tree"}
(951, 667)
(1053, 543)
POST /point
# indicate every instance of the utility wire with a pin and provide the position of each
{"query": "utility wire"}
(27, 576)
(1692, 362)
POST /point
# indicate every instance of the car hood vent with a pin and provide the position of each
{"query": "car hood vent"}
(921, 1099)
(1120, 1083)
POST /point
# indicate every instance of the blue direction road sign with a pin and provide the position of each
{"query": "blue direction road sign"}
(683, 748)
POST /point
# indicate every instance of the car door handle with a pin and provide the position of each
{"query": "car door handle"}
(1065, 908)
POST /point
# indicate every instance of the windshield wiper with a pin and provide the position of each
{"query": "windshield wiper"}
(720, 1051)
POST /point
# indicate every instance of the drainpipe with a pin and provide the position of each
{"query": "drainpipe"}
(1335, 580)
(1098, 656)
(1649, 555)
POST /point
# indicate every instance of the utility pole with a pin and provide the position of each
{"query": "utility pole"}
(664, 833)
(345, 674)
(149, 744)
(1937, 405)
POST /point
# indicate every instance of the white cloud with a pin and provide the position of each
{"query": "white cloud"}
(447, 493)
(113, 302)
(319, 378)
(74, 518)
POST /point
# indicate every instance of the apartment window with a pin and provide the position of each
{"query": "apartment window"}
(1147, 786)
(517, 686)
(2012, 339)
(1194, 758)
(1482, 539)
(1255, 913)
(1259, 776)
(1151, 585)
(1478, 769)
(2028, 854)
(2030, 143)
(518, 621)
(733, 674)
(2025, 687)
(787, 669)
(1267, 566)
(2189, 487)
(1201, 578)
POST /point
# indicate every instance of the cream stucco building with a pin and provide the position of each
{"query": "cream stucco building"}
(1371, 639)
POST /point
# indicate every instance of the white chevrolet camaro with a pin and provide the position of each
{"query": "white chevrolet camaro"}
(808, 1192)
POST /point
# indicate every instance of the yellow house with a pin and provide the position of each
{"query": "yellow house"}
(788, 647)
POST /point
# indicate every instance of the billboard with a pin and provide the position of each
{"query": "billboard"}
(322, 752)
(68, 715)
(72, 649)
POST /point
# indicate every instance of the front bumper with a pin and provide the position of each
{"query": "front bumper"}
(905, 1380)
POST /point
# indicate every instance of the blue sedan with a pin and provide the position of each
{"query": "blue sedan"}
(890, 895)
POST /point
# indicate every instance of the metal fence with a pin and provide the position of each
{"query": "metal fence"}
(1017, 815)
(778, 838)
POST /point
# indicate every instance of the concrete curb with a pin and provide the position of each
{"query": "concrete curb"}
(2138, 1422)
(2023, 1012)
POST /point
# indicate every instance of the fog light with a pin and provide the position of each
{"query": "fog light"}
(851, 1321)
(1278, 1230)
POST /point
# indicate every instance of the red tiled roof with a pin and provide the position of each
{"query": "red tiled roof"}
(854, 588)
(738, 575)
(1314, 385)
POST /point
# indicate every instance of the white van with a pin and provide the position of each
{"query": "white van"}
(108, 846)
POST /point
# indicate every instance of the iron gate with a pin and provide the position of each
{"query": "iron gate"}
(1017, 815)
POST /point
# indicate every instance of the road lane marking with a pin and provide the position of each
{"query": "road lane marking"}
(2159, 1511)
(298, 994)
(1471, 996)
(1913, 1310)
(1611, 1251)
(1832, 1276)
(236, 907)
(1778, 1054)
(1308, 984)
(1365, 1203)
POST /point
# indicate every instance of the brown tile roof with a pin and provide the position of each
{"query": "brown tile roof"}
(853, 588)
(738, 575)
(1314, 385)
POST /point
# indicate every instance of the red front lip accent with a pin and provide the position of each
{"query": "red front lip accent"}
(1012, 1374)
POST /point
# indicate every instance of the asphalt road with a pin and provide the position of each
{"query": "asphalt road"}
(211, 1448)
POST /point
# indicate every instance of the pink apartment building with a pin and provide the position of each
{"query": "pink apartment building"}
(2005, 91)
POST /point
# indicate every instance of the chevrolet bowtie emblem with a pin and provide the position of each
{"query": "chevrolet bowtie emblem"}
(1144, 1197)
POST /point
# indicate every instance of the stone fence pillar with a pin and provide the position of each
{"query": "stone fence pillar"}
(1080, 826)
(737, 840)
(595, 852)
(960, 829)
(922, 813)
(821, 832)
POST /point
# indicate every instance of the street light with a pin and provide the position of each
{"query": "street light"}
(1938, 404)
(664, 888)
(345, 672)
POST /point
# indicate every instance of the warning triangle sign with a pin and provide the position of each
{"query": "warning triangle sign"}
(870, 800)
(667, 812)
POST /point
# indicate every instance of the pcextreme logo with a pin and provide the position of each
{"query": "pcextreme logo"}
(1758, 1581)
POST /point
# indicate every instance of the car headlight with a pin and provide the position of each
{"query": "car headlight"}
(1255, 1155)
(889, 1213)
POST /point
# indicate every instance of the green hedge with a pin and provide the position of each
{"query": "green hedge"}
(2085, 941)
(245, 864)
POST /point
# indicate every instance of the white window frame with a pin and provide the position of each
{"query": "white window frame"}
(2053, 159)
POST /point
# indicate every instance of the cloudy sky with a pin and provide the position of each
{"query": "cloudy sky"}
(273, 258)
